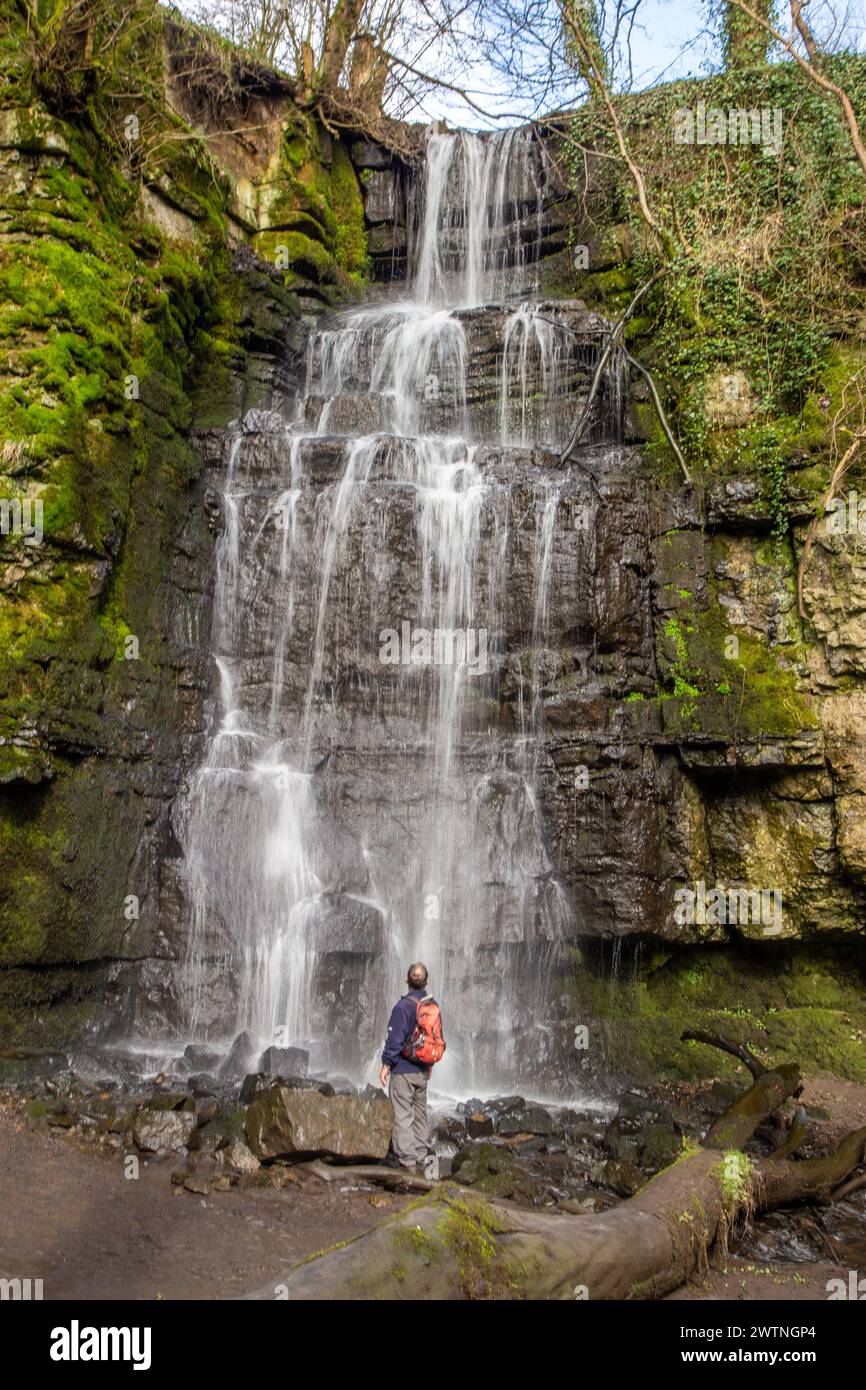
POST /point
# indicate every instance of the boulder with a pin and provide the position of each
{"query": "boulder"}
(243, 1056)
(202, 1058)
(659, 1146)
(450, 1129)
(479, 1125)
(621, 1145)
(236, 1155)
(227, 1124)
(633, 1105)
(162, 1129)
(284, 1061)
(500, 1104)
(371, 1092)
(62, 1112)
(621, 1177)
(202, 1175)
(206, 1140)
(343, 1086)
(202, 1085)
(257, 1082)
(170, 1100)
(206, 1108)
(282, 1122)
(525, 1119)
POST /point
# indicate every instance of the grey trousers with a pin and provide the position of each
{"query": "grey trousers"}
(411, 1136)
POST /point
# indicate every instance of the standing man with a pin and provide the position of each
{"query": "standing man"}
(413, 1044)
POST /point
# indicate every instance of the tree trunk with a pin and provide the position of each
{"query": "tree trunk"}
(339, 34)
(746, 44)
(454, 1245)
(368, 74)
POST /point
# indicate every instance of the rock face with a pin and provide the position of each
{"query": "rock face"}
(257, 1084)
(283, 1123)
(102, 698)
(693, 735)
(236, 1155)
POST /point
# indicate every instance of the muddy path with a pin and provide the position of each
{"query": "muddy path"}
(71, 1219)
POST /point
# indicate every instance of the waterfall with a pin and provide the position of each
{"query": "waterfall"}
(477, 234)
(360, 803)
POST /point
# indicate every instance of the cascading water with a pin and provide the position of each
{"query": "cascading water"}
(361, 804)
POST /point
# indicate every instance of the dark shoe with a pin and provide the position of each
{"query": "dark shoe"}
(391, 1160)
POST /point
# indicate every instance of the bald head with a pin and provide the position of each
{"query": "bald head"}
(416, 977)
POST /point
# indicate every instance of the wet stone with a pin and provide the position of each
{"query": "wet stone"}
(478, 1125)
(284, 1061)
(202, 1058)
(243, 1056)
(157, 1130)
(258, 1082)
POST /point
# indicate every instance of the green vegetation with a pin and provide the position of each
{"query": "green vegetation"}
(763, 272)
(735, 1171)
(718, 678)
(796, 1004)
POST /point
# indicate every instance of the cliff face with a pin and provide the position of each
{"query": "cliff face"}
(162, 284)
(139, 307)
(722, 732)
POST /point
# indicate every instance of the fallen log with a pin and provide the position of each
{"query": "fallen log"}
(366, 1172)
(453, 1244)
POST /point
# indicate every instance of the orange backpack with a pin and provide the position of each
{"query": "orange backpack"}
(426, 1045)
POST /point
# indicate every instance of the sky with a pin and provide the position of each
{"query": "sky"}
(663, 48)
(668, 42)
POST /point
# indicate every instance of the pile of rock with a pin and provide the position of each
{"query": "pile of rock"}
(279, 1112)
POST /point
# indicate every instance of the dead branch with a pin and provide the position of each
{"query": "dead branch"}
(796, 1136)
(735, 1049)
(848, 1188)
(615, 340)
(368, 1172)
(663, 419)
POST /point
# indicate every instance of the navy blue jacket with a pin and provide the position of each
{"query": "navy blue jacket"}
(401, 1026)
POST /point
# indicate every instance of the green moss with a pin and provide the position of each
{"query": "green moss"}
(834, 1038)
(735, 1176)
(793, 1004)
(468, 1229)
(420, 1243)
(746, 690)
(351, 242)
(316, 212)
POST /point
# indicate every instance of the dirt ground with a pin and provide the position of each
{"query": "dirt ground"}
(73, 1220)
